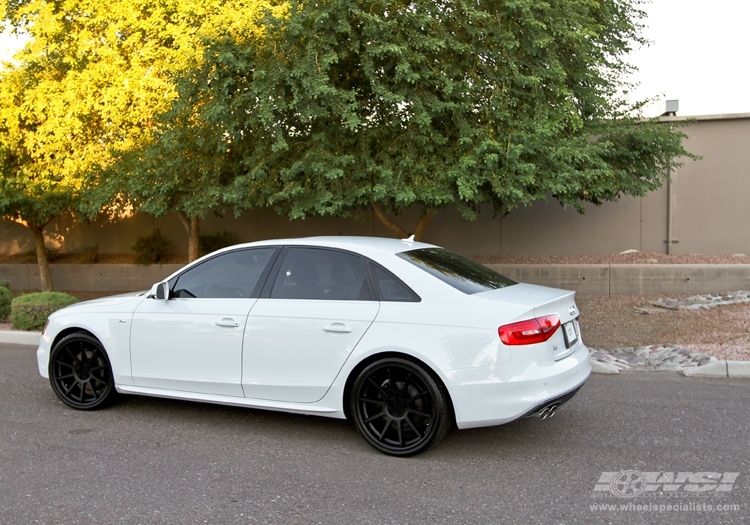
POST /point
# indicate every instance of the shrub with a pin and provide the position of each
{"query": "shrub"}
(151, 248)
(30, 256)
(4, 284)
(30, 311)
(5, 299)
(216, 241)
(90, 254)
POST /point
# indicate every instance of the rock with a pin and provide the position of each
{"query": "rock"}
(603, 368)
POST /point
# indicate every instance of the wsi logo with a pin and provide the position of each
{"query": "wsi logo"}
(631, 483)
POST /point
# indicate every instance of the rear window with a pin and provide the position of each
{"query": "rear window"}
(461, 273)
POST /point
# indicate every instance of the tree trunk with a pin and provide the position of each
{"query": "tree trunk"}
(41, 257)
(424, 221)
(192, 227)
(419, 230)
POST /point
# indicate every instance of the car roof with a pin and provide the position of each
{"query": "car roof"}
(362, 245)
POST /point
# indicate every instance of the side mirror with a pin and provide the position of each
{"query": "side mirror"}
(162, 291)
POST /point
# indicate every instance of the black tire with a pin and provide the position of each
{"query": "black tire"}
(399, 408)
(80, 372)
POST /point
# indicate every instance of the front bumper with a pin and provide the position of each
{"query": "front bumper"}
(496, 395)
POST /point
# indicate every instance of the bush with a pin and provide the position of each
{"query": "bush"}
(90, 254)
(30, 256)
(30, 311)
(151, 248)
(216, 241)
(5, 299)
(4, 284)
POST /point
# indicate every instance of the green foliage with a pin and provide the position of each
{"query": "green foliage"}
(4, 284)
(151, 248)
(30, 311)
(5, 298)
(216, 241)
(432, 104)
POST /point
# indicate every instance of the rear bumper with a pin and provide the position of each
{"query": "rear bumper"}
(496, 395)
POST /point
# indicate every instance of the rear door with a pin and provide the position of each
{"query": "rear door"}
(310, 317)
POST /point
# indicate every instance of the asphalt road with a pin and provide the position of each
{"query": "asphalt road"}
(156, 461)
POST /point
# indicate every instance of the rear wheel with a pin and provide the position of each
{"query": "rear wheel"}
(80, 372)
(399, 408)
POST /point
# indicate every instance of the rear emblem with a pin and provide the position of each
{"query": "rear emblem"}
(572, 310)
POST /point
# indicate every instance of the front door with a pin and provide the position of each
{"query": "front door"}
(193, 341)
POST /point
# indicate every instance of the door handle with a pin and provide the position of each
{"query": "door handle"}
(227, 322)
(340, 328)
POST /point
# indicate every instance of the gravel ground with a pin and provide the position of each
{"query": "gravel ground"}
(617, 322)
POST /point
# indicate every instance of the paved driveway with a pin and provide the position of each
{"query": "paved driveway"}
(159, 461)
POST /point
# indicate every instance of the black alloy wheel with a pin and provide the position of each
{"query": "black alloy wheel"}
(399, 408)
(80, 372)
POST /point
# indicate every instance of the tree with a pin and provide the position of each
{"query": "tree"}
(97, 77)
(386, 104)
(182, 164)
(36, 183)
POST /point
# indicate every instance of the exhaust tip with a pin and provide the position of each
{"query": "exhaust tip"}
(548, 412)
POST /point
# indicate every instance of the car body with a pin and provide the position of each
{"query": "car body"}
(401, 336)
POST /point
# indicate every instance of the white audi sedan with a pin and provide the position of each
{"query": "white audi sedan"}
(401, 337)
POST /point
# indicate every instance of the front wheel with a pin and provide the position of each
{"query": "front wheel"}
(80, 372)
(399, 408)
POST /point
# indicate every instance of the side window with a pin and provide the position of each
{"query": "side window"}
(390, 287)
(230, 275)
(316, 273)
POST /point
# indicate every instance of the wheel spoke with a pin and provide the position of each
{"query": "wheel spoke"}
(94, 378)
(385, 429)
(93, 390)
(405, 388)
(373, 418)
(416, 396)
(400, 434)
(420, 413)
(97, 368)
(380, 389)
(75, 359)
(70, 388)
(378, 402)
(65, 376)
(413, 427)
(82, 388)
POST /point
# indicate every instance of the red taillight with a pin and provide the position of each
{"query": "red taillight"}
(529, 332)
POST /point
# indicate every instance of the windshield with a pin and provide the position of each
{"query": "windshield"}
(461, 273)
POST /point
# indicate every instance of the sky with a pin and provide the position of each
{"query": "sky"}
(698, 56)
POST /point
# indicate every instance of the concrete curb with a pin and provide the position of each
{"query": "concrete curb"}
(721, 369)
(14, 337)
(731, 369)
